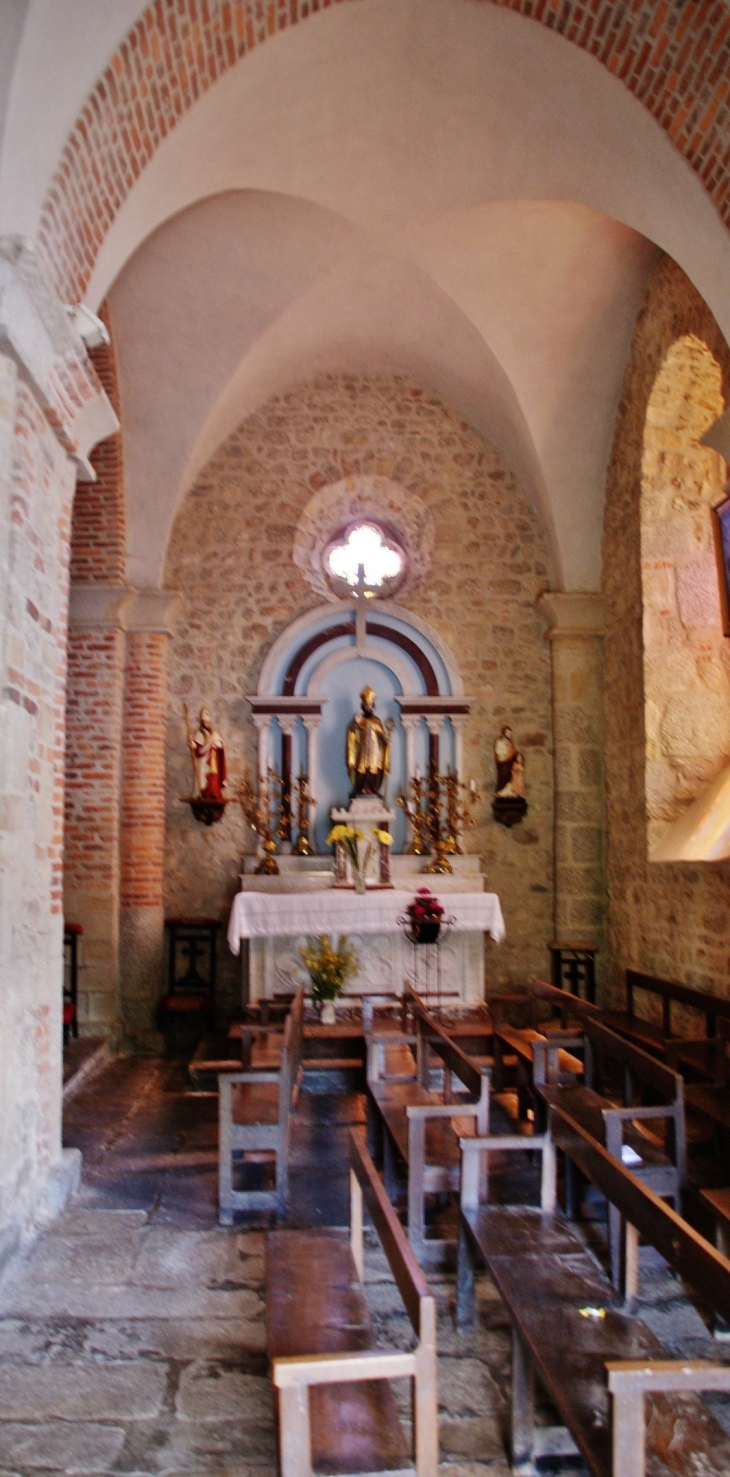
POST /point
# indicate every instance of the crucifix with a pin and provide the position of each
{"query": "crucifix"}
(361, 595)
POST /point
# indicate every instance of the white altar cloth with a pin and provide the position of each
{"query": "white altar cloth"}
(286, 915)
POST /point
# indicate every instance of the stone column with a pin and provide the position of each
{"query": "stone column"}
(262, 724)
(576, 637)
(141, 932)
(459, 725)
(312, 727)
(410, 728)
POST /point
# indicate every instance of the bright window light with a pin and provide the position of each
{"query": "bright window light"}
(365, 546)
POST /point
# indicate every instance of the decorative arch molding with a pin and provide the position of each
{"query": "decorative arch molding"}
(179, 48)
(306, 628)
(296, 697)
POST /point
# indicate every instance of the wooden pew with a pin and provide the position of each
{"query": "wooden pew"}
(407, 1121)
(712, 1098)
(658, 1037)
(518, 1042)
(254, 1113)
(335, 1407)
(661, 1165)
(580, 1334)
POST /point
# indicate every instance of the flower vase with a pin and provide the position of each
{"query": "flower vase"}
(360, 884)
(425, 930)
(328, 1014)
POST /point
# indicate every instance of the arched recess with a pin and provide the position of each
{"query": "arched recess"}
(670, 920)
(178, 49)
(686, 655)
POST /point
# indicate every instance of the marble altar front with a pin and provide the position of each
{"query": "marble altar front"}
(271, 964)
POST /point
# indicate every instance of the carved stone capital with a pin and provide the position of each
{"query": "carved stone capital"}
(574, 613)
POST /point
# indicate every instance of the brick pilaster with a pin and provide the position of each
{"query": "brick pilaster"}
(143, 814)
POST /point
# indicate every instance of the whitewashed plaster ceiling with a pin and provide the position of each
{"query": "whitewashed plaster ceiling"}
(438, 187)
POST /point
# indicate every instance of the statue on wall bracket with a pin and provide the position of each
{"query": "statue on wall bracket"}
(509, 805)
(368, 748)
(208, 754)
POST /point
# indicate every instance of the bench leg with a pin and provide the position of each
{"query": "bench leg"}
(572, 1190)
(464, 1279)
(225, 1157)
(282, 1174)
(294, 1433)
(390, 1176)
(374, 1133)
(523, 1409)
(416, 1183)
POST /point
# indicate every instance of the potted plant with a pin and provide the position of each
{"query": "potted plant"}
(328, 970)
(424, 914)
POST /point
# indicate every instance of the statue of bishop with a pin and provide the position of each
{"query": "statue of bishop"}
(368, 748)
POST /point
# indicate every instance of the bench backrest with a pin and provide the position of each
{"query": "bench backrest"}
(430, 1033)
(681, 1246)
(410, 1281)
(669, 992)
(606, 1045)
(290, 1071)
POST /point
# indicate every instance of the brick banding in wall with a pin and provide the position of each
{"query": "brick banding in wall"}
(675, 58)
(98, 530)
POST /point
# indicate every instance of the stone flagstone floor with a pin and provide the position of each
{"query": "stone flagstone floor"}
(132, 1337)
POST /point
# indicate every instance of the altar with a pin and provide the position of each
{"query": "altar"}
(272, 917)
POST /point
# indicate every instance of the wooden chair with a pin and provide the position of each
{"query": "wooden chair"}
(254, 1116)
(335, 1407)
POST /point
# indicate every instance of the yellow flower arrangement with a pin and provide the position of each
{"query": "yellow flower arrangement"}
(383, 837)
(329, 968)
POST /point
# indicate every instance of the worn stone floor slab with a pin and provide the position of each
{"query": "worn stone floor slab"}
(132, 1337)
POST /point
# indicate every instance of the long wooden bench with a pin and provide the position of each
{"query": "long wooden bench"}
(658, 1036)
(335, 1408)
(627, 1126)
(410, 1123)
(514, 1045)
(254, 1116)
(579, 1332)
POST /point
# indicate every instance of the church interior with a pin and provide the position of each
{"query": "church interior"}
(364, 737)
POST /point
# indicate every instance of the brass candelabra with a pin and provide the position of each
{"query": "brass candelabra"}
(460, 800)
(439, 810)
(262, 812)
(413, 809)
(305, 802)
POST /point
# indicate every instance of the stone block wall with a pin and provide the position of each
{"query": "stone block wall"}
(667, 919)
(94, 711)
(230, 556)
(46, 383)
(686, 655)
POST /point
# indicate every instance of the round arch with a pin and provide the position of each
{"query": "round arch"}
(176, 50)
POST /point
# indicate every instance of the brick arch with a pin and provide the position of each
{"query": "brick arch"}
(673, 57)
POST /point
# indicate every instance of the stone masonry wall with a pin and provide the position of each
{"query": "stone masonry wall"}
(36, 488)
(96, 654)
(667, 919)
(230, 555)
(686, 655)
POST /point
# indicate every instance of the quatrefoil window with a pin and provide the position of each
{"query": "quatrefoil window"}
(365, 553)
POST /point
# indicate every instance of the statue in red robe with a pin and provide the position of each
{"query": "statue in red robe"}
(209, 759)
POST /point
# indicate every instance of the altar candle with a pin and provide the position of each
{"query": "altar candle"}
(472, 786)
(418, 773)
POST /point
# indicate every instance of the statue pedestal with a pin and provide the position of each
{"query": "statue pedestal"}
(369, 814)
